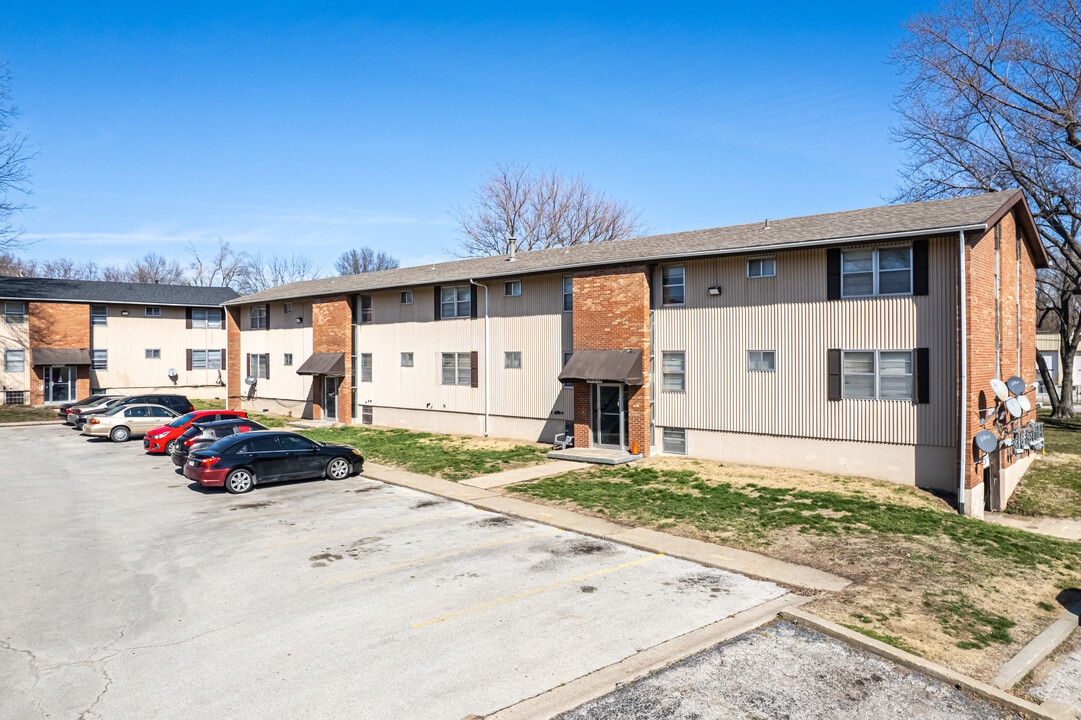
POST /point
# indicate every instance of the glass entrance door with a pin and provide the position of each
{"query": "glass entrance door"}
(609, 422)
(60, 386)
(330, 398)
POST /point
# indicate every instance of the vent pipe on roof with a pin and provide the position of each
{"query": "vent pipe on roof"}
(513, 248)
(767, 224)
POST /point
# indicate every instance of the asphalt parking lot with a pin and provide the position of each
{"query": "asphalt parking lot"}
(130, 593)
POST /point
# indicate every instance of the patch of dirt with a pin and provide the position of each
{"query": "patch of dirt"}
(362, 490)
(714, 583)
(364, 545)
(587, 589)
(428, 503)
(497, 521)
(324, 558)
(253, 505)
(582, 546)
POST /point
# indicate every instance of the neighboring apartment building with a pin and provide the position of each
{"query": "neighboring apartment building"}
(828, 342)
(65, 339)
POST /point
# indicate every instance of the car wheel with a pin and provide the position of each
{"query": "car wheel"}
(240, 481)
(338, 469)
(170, 446)
(120, 434)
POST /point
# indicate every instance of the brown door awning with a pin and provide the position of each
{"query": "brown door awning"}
(332, 364)
(59, 356)
(623, 366)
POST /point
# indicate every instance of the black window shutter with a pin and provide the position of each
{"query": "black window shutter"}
(473, 302)
(353, 307)
(266, 326)
(474, 377)
(248, 373)
(833, 368)
(266, 364)
(923, 375)
(438, 311)
(187, 318)
(919, 267)
(188, 352)
(833, 274)
(225, 358)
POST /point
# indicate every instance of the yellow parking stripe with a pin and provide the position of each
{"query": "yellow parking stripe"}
(433, 558)
(374, 528)
(534, 591)
(321, 507)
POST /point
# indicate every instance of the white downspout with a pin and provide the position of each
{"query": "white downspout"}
(964, 383)
(487, 373)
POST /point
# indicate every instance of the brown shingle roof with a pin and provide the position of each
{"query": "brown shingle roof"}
(969, 212)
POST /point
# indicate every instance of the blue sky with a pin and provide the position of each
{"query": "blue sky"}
(290, 128)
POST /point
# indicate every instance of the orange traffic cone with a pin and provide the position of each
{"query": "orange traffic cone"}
(634, 447)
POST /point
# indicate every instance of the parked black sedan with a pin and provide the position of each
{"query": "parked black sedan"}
(242, 461)
(202, 435)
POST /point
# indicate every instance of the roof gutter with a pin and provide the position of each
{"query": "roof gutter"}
(854, 239)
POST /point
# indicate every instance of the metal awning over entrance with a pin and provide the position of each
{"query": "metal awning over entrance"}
(623, 366)
(330, 364)
(59, 356)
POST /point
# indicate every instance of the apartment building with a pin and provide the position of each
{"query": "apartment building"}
(859, 342)
(65, 339)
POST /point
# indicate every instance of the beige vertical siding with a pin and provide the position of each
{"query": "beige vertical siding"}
(127, 337)
(789, 313)
(14, 337)
(291, 392)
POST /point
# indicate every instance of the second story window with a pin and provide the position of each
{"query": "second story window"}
(208, 318)
(151, 311)
(454, 301)
(866, 272)
(761, 267)
(365, 309)
(407, 297)
(512, 288)
(287, 308)
(672, 285)
(258, 318)
(99, 315)
(15, 313)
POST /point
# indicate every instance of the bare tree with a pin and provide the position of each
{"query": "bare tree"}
(278, 270)
(362, 260)
(539, 211)
(992, 100)
(14, 169)
(150, 268)
(12, 266)
(225, 268)
(67, 269)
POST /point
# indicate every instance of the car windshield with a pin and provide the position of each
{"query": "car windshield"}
(182, 420)
(116, 409)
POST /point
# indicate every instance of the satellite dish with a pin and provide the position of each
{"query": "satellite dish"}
(986, 441)
(1014, 407)
(1024, 403)
(171, 372)
(1016, 385)
(1001, 391)
(250, 380)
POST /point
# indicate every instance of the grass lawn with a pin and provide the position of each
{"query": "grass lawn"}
(452, 457)
(1052, 486)
(271, 421)
(962, 592)
(25, 413)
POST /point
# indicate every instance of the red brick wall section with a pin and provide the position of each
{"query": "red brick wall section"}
(980, 299)
(332, 330)
(611, 312)
(58, 325)
(234, 374)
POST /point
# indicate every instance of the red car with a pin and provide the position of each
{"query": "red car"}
(162, 439)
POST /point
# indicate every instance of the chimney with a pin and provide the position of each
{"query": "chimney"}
(767, 224)
(513, 248)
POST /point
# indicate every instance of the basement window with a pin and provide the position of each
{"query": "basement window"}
(14, 397)
(365, 414)
(674, 441)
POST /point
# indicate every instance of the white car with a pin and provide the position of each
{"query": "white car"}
(124, 422)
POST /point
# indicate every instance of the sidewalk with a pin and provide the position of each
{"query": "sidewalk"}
(741, 561)
(1055, 527)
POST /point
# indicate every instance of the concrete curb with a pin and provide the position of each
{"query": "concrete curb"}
(644, 663)
(32, 423)
(703, 553)
(1041, 646)
(1047, 711)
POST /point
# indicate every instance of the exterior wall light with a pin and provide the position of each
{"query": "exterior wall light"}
(715, 290)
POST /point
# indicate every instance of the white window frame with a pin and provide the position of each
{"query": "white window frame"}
(151, 311)
(9, 359)
(761, 355)
(365, 367)
(99, 319)
(260, 365)
(103, 363)
(152, 354)
(875, 270)
(287, 359)
(201, 318)
(568, 294)
(407, 297)
(15, 310)
(258, 313)
(456, 305)
(666, 374)
(458, 368)
(406, 359)
(510, 355)
(877, 374)
(512, 288)
(664, 440)
(667, 282)
(201, 360)
(760, 260)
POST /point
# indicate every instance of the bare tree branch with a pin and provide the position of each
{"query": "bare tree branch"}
(363, 260)
(14, 168)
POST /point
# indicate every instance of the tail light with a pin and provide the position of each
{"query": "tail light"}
(76, 411)
(209, 461)
(95, 421)
(189, 443)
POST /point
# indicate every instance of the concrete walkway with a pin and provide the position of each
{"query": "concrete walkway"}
(741, 561)
(533, 472)
(1055, 527)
